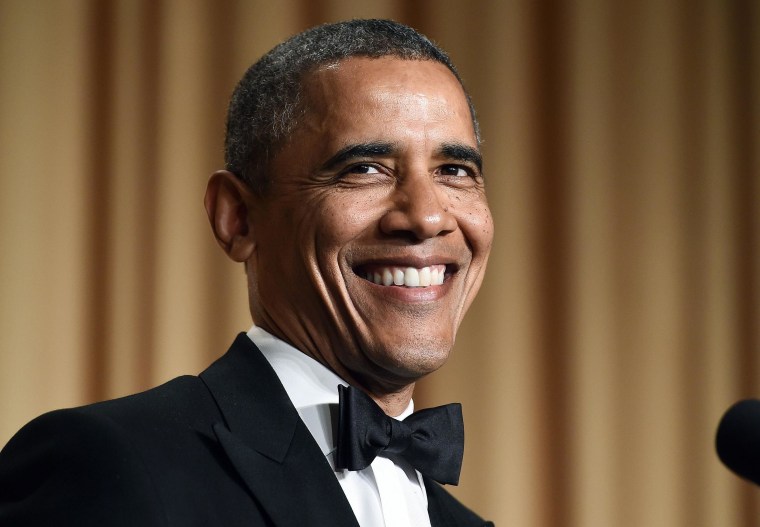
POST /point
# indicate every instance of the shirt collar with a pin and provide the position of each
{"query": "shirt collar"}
(311, 386)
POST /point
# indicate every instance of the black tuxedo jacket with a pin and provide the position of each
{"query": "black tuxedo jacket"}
(225, 448)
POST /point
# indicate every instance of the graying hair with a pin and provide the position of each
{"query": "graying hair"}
(268, 100)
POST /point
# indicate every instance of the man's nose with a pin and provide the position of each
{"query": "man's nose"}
(420, 209)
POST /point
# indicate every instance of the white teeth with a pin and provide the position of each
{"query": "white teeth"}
(437, 274)
(411, 277)
(408, 276)
(425, 276)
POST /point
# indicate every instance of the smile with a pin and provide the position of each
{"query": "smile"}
(405, 276)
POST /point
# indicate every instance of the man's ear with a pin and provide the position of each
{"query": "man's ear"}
(227, 204)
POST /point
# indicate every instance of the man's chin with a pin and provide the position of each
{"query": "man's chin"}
(412, 359)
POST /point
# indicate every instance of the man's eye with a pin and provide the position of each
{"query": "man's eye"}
(362, 169)
(454, 170)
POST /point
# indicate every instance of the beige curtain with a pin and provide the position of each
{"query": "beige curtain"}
(620, 315)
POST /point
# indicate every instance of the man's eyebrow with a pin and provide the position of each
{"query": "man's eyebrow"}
(461, 152)
(359, 150)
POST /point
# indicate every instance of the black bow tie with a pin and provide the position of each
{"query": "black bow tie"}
(431, 440)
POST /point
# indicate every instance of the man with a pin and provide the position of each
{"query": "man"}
(354, 196)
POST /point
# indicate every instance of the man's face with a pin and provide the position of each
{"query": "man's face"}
(379, 185)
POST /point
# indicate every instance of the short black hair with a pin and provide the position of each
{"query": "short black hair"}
(268, 100)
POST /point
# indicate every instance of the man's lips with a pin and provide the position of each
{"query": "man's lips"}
(405, 275)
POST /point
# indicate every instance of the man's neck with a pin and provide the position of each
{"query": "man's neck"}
(393, 403)
(393, 399)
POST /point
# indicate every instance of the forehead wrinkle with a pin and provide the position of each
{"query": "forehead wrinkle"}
(431, 108)
(347, 117)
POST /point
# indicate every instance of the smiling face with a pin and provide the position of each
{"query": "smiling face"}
(372, 240)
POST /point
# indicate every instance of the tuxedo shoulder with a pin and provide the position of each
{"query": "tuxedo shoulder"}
(179, 411)
(61, 469)
(180, 401)
(103, 464)
(446, 510)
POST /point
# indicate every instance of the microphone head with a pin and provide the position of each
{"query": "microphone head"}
(738, 439)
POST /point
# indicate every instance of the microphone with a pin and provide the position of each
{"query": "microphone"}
(738, 439)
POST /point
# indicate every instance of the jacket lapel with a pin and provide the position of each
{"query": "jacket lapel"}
(268, 444)
(445, 511)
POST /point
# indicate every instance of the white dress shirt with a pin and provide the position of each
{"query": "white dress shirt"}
(388, 493)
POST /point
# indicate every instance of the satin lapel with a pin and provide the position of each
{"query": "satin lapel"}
(438, 518)
(444, 511)
(269, 446)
